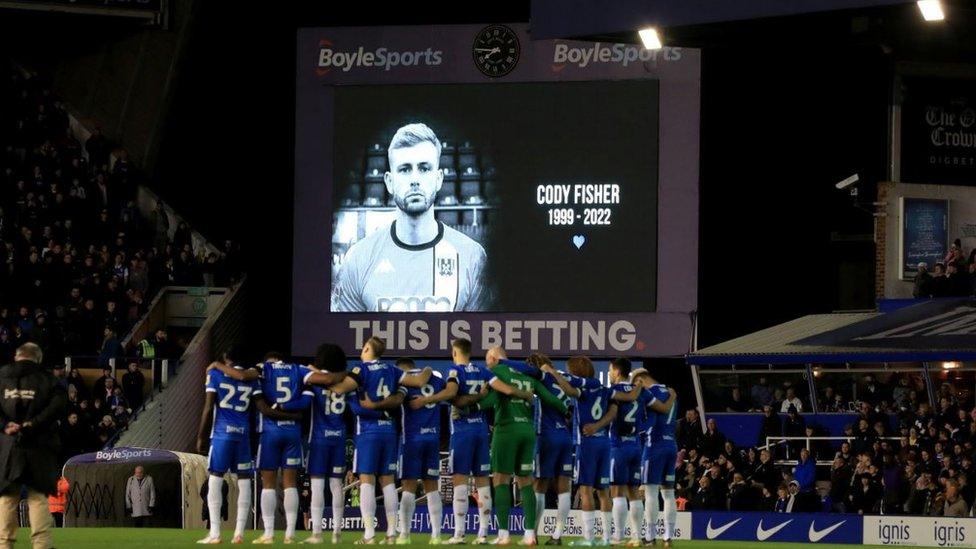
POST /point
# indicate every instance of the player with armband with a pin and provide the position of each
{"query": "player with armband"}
(659, 455)
(226, 414)
(379, 385)
(467, 384)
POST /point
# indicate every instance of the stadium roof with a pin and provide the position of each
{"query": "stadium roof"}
(934, 330)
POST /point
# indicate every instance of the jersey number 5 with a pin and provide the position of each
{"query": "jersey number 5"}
(284, 391)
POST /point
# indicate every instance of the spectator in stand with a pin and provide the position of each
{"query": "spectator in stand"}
(804, 475)
(819, 449)
(111, 348)
(713, 441)
(75, 437)
(761, 394)
(132, 386)
(955, 255)
(826, 400)
(957, 281)
(704, 498)
(736, 402)
(101, 385)
(742, 496)
(106, 429)
(156, 346)
(872, 393)
(864, 497)
(771, 427)
(840, 483)
(794, 426)
(791, 400)
(920, 496)
(940, 286)
(892, 485)
(864, 437)
(971, 275)
(955, 506)
(946, 416)
(688, 432)
(110, 385)
(784, 501)
(901, 393)
(159, 221)
(75, 380)
(765, 474)
(869, 413)
(922, 283)
(7, 345)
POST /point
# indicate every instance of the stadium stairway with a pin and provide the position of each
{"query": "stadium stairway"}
(169, 419)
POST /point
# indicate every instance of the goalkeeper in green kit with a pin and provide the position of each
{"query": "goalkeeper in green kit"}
(513, 440)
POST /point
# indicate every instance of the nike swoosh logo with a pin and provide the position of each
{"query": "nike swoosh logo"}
(816, 536)
(763, 535)
(712, 533)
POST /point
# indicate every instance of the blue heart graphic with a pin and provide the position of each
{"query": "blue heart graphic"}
(579, 240)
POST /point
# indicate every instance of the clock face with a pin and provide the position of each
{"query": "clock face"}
(496, 50)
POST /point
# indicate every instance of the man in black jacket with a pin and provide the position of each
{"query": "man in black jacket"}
(31, 401)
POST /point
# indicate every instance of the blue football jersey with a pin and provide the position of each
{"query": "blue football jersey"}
(663, 425)
(328, 414)
(630, 416)
(378, 380)
(424, 423)
(281, 383)
(591, 405)
(231, 415)
(470, 379)
(548, 419)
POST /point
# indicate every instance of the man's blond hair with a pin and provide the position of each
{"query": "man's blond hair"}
(30, 351)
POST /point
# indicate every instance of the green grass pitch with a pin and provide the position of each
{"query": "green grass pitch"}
(153, 538)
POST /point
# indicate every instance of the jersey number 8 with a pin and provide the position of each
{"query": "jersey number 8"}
(336, 404)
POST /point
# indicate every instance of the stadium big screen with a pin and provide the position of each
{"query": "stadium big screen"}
(466, 181)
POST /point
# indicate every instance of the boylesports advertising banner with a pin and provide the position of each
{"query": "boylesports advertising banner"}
(780, 527)
(467, 181)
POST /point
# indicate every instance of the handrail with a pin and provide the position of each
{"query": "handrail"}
(777, 441)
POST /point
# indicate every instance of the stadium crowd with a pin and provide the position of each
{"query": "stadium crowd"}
(903, 456)
(954, 276)
(79, 262)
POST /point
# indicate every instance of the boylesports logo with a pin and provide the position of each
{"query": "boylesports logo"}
(345, 60)
(623, 54)
(110, 455)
